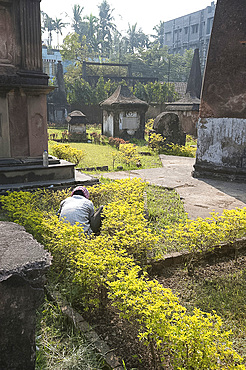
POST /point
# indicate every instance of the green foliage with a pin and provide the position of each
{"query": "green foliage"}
(178, 150)
(158, 92)
(156, 142)
(203, 234)
(65, 151)
(108, 267)
(74, 48)
(129, 154)
(149, 126)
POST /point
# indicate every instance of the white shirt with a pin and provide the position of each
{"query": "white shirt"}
(77, 209)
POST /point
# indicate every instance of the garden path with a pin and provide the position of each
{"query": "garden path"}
(200, 196)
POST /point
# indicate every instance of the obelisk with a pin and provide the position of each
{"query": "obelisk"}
(221, 148)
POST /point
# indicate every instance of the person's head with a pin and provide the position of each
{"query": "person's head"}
(81, 190)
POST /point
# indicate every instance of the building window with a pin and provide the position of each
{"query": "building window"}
(209, 25)
(53, 68)
(194, 28)
(186, 30)
(168, 36)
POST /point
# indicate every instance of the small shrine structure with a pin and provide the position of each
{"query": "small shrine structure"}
(124, 115)
(77, 123)
(187, 108)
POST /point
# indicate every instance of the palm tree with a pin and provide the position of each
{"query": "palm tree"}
(91, 34)
(106, 26)
(48, 24)
(159, 37)
(135, 39)
(58, 25)
(77, 18)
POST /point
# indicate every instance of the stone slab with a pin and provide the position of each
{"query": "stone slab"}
(20, 253)
(23, 264)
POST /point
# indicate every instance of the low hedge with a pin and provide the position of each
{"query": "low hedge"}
(109, 268)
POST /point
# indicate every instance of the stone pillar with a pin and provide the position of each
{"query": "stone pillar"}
(23, 264)
(23, 85)
(222, 124)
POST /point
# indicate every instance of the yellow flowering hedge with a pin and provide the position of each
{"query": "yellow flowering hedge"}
(203, 234)
(66, 152)
(129, 154)
(107, 267)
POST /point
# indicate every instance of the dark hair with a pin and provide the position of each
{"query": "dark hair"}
(78, 192)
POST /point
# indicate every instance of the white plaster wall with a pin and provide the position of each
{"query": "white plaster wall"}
(108, 124)
(221, 141)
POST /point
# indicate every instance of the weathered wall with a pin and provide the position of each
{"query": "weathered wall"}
(93, 112)
(188, 121)
(222, 141)
(108, 124)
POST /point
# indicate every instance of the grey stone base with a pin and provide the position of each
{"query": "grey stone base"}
(25, 174)
(219, 172)
(32, 170)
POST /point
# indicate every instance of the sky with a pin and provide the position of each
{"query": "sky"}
(146, 14)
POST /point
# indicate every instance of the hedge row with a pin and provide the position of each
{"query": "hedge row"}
(108, 268)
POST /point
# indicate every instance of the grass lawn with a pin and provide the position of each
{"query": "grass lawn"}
(97, 155)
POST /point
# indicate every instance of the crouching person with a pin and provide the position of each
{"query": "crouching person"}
(79, 209)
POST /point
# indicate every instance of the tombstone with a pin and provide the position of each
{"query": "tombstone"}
(222, 121)
(77, 125)
(23, 109)
(23, 85)
(187, 108)
(23, 266)
(57, 101)
(168, 125)
(124, 115)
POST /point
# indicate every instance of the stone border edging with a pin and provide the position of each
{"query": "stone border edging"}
(91, 336)
(177, 258)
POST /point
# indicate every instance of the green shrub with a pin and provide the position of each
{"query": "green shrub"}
(156, 141)
(178, 150)
(66, 152)
(203, 234)
(129, 154)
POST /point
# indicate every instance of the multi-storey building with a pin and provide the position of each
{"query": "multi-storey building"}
(190, 32)
(50, 58)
